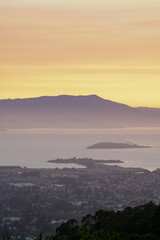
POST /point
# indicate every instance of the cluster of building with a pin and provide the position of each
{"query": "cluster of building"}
(38, 200)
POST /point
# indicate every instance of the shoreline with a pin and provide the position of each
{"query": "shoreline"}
(86, 162)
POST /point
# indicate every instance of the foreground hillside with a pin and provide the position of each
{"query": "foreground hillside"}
(73, 112)
(138, 223)
(142, 222)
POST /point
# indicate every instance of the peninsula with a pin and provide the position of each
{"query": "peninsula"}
(87, 162)
(112, 145)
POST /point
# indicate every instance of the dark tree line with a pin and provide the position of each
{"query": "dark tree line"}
(138, 223)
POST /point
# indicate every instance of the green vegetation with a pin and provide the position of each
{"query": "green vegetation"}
(138, 223)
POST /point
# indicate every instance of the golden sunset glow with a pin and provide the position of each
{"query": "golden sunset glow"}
(87, 47)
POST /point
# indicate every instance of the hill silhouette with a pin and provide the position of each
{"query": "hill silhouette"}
(111, 145)
(138, 223)
(67, 111)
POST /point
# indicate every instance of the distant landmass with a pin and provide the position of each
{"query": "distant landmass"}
(67, 111)
(87, 162)
(111, 145)
(100, 166)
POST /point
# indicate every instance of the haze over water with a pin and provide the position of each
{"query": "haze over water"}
(33, 147)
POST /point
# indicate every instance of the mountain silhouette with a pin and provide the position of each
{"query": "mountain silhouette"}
(67, 111)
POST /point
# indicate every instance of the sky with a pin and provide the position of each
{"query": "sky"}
(54, 47)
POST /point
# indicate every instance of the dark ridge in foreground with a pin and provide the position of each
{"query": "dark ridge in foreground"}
(138, 223)
(111, 145)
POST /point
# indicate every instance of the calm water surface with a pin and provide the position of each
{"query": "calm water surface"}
(32, 148)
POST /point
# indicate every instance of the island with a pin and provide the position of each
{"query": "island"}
(112, 145)
(87, 162)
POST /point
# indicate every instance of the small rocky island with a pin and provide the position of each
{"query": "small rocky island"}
(87, 162)
(112, 145)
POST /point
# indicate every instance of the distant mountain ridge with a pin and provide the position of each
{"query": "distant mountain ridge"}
(66, 111)
(113, 145)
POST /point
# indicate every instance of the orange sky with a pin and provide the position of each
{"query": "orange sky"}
(62, 47)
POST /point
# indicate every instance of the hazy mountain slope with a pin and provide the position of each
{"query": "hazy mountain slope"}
(73, 112)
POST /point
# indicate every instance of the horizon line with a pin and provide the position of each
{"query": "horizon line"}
(79, 95)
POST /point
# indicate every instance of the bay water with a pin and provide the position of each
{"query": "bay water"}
(32, 148)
